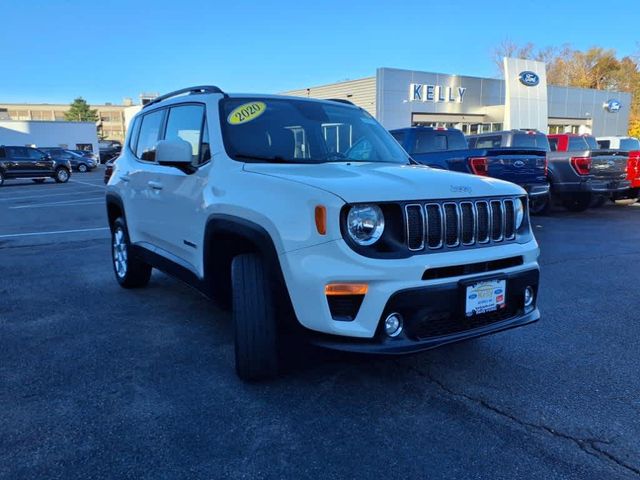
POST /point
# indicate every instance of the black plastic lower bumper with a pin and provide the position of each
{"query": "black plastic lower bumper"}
(434, 316)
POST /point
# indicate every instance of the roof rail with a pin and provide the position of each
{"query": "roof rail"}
(189, 90)
(341, 100)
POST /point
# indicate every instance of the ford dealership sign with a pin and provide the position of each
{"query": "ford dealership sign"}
(612, 106)
(529, 79)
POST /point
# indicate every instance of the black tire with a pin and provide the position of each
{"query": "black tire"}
(62, 175)
(39, 180)
(254, 319)
(577, 202)
(540, 205)
(82, 168)
(598, 201)
(130, 271)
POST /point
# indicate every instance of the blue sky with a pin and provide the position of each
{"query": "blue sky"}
(55, 50)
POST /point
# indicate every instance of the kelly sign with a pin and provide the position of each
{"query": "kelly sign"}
(419, 92)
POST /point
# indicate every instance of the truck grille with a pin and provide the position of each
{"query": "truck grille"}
(465, 223)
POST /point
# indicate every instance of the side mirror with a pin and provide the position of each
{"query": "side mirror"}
(175, 153)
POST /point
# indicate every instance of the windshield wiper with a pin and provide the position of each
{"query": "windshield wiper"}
(413, 162)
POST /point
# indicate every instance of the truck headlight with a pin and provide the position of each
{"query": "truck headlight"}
(519, 207)
(365, 224)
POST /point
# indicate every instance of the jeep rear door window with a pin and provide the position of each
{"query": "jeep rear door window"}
(149, 135)
(185, 122)
(530, 140)
(304, 131)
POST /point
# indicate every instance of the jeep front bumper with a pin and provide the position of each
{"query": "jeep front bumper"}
(401, 284)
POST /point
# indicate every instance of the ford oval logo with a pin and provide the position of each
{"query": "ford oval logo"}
(529, 79)
(612, 106)
(518, 163)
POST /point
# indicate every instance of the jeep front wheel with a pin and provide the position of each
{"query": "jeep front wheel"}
(131, 272)
(254, 319)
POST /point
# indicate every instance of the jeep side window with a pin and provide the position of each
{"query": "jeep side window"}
(149, 135)
(605, 143)
(185, 122)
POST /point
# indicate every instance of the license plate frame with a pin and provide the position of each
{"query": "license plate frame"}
(474, 306)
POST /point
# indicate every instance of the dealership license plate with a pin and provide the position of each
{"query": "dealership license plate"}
(486, 296)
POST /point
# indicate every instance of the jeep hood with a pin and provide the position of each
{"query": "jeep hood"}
(383, 182)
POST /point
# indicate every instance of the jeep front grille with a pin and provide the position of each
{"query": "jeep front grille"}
(451, 224)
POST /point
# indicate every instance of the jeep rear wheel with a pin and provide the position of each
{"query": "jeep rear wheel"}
(131, 272)
(254, 319)
(62, 175)
(82, 168)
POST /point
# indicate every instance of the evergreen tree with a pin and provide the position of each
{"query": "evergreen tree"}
(79, 111)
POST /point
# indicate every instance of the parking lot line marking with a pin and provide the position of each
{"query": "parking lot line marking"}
(86, 183)
(57, 232)
(67, 203)
(26, 197)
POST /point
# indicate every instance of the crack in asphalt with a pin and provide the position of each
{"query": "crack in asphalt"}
(587, 445)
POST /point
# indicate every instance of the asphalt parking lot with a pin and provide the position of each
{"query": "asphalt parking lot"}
(100, 382)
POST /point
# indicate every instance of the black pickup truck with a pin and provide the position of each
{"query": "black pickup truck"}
(515, 156)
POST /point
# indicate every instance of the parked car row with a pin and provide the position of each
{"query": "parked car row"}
(577, 171)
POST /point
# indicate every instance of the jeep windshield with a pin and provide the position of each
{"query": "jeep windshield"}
(283, 130)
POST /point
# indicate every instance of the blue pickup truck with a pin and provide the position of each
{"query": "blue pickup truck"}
(515, 156)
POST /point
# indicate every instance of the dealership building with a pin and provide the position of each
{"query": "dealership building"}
(523, 100)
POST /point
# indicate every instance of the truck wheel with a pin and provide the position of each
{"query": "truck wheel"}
(62, 175)
(131, 272)
(598, 201)
(577, 203)
(254, 319)
(540, 205)
(82, 168)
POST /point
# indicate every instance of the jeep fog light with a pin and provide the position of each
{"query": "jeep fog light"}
(365, 224)
(528, 296)
(393, 325)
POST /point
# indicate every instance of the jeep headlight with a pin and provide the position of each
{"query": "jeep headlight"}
(365, 224)
(519, 211)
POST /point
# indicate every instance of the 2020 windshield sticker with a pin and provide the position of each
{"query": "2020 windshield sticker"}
(246, 113)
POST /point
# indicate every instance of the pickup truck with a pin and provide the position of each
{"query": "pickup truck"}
(632, 146)
(581, 174)
(496, 157)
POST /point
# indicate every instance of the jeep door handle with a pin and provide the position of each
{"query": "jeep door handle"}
(155, 185)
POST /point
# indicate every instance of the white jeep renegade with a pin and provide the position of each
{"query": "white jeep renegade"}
(307, 214)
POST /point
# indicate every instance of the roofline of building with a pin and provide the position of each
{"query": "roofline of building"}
(57, 122)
